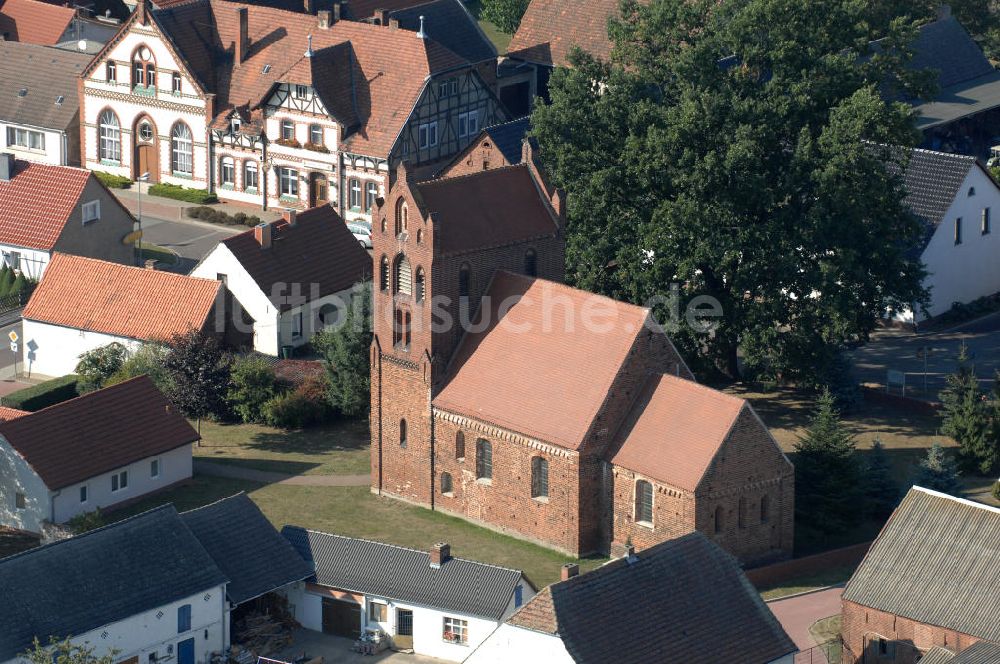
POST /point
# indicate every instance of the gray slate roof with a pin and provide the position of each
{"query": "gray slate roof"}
(938, 656)
(935, 562)
(76, 585)
(983, 652)
(509, 136)
(46, 73)
(246, 547)
(450, 24)
(384, 570)
(684, 600)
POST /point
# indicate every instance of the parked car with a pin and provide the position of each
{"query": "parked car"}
(362, 232)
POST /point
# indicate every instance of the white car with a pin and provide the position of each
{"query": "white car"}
(362, 233)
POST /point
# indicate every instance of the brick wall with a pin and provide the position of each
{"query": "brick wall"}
(505, 502)
(748, 469)
(480, 156)
(673, 512)
(906, 639)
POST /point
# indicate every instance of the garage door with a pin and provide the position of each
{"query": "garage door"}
(341, 618)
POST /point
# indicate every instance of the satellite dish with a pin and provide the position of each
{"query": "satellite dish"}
(82, 44)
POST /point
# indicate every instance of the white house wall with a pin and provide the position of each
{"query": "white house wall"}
(55, 151)
(174, 466)
(16, 476)
(155, 631)
(516, 644)
(53, 350)
(32, 261)
(970, 270)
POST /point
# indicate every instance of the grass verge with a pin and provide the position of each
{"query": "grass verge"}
(829, 577)
(825, 631)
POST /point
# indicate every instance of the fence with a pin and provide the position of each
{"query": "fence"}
(16, 300)
(830, 652)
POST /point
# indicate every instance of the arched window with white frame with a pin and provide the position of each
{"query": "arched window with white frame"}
(110, 148)
(181, 150)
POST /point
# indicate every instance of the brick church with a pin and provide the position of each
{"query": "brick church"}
(505, 397)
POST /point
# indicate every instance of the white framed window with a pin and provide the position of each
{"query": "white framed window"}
(448, 88)
(288, 182)
(644, 502)
(119, 481)
(427, 135)
(111, 71)
(455, 630)
(20, 500)
(154, 468)
(91, 211)
(250, 175)
(228, 171)
(175, 83)
(378, 612)
(355, 193)
(468, 123)
(12, 259)
(145, 131)
(110, 147)
(235, 124)
(27, 139)
(181, 150)
(315, 134)
(84, 493)
(287, 130)
(297, 324)
(301, 92)
(371, 193)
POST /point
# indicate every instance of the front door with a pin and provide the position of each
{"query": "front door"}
(404, 629)
(145, 161)
(341, 618)
(185, 652)
(318, 190)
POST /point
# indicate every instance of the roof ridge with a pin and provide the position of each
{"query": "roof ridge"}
(400, 547)
(567, 287)
(215, 502)
(963, 157)
(703, 387)
(76, 538)
(86, 395)
(161, 274)
(508, 122)
(956, 499)
(463, 176)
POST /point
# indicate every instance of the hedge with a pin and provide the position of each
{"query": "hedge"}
(113, 181)
(179, 193)
(210, 214)
(43, 395)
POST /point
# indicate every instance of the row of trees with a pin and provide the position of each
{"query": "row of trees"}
(835, 490)
(971, 418)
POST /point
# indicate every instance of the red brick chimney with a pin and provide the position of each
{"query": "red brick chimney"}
(325, 19)
(290, 215)
(382, 16)
(336, 12)
(243, 39)
(262, 233)
(569, 570)
(309, 6)
(440, 554)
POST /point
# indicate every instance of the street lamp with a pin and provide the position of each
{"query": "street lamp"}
(142, 178)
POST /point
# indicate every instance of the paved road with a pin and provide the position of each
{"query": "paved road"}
(266, 477)
(899, 350)
(7, 385)
(189, 240)
(797, 614)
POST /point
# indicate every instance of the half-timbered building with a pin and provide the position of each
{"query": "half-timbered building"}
(214, 95)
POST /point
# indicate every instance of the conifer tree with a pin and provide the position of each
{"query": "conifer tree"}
(345, 354)
(939, 472)
(881, 490)
(966, 416)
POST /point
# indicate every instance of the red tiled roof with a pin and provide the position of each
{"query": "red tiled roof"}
(297, 372)
(555, 342)
(98, 432)
(674, 430)
(487, 209)
(35, 22)
(359, 10)
(37, 202)
(319, 249)
(7, 414)
(379, 72)
(95, 295)
(551, 28)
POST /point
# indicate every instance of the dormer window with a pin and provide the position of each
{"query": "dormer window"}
(301, 92)
(234, 124)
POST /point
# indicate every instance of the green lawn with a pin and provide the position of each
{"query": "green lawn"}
(824, 579)
(827, 630)
(339, 448)
(356, 512)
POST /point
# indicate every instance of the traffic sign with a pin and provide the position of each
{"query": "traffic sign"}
(13, 346)
(12, 335)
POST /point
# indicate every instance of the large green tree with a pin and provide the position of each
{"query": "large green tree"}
(345, 353)
(729, 146)
(966, 416)
(828, 486)
(198, 375)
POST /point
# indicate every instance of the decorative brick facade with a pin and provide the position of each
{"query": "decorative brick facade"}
(876, 637)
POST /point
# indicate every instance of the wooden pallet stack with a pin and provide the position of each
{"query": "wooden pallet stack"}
(263, 634)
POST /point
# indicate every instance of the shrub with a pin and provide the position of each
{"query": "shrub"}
(296, 410)
(44, 394)
(996, 490)
(86, 521)
(112, 181)
(97, 366)
(316, 147)
(211, 215)
(252, 385)
(146, 360)
(198, 375)
(200, 196)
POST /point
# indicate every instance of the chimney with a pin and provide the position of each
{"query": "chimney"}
(630, 554)
(325, 19)
(336, 12)
(569, 570)
(262, 233)
(309, 6)
(440, 554)
(381, 16)
(943, 12)
(290, 216)
(422, 34)
(394, 24)
(309, 47)
(7, 166)
(243, 40)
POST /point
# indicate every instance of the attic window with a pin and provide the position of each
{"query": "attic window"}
(234, 124)
(972, 191)
(23, 92)
(59, 100)
(267, 69)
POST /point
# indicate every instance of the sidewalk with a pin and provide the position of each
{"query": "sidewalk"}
(172, 210)
(267, 477)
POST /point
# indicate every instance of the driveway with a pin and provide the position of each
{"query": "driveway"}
(190, 240)
(338, 650)
(904, 351)
(797, 614)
